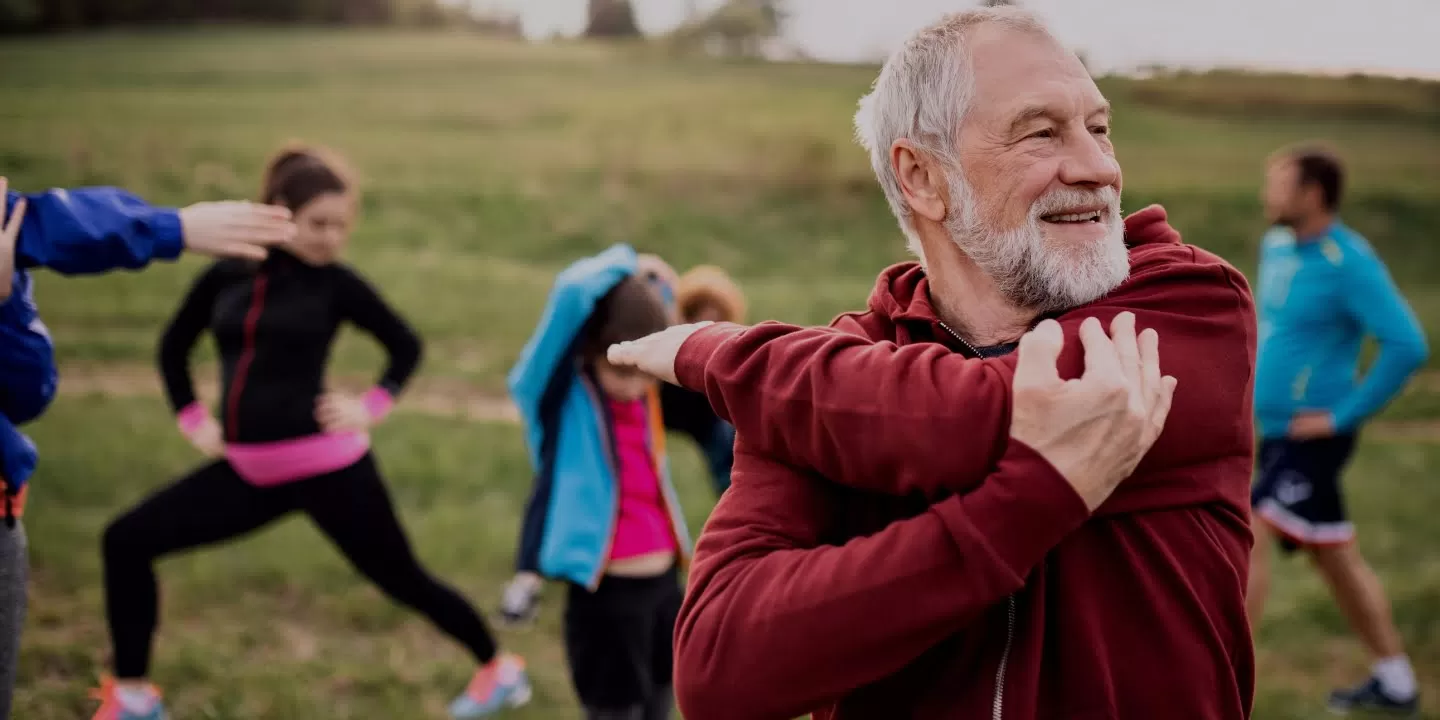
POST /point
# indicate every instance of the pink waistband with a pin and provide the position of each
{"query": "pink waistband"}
(276, 463)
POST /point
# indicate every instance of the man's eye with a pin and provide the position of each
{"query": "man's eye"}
(1042, 134)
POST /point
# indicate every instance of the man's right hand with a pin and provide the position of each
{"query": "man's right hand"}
(235, 229)
(1093, 430)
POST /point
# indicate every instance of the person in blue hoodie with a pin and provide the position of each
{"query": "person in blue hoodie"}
(1322, 291)
(81, 232)
(603, 516)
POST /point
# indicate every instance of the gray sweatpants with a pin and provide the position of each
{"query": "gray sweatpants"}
(14, 577)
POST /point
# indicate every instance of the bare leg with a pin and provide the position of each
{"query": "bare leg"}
(1358, 593)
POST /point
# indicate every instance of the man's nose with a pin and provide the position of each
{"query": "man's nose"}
(1089, 162)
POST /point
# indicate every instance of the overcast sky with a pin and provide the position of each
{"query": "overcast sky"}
(1391, 36)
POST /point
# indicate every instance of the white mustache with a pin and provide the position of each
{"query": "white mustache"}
(1067, 199)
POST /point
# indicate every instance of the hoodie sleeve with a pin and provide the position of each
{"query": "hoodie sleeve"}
(93, 230)
(1375, 303)
(776, 622)
(875, 416)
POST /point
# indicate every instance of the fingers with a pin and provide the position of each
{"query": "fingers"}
(1150, 363)
(1039, 354)
(277, 212)
(1127, 349)
(1161, 410)
(12, 225)
(626, 354)
(245, 252)
(1101, 359)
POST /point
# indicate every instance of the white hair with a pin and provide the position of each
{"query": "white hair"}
(922, 94)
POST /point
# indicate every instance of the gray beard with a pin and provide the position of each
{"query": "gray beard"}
(1025, 269)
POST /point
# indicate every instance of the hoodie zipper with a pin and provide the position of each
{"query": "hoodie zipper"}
(961, 340)
(997, 707)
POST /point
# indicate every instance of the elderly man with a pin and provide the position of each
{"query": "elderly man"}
(897, 543)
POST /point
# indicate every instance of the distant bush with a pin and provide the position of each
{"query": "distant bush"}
(17, 16)
(1257, 95)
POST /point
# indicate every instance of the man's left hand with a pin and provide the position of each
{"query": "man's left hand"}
(1312, 425)
(655, 354)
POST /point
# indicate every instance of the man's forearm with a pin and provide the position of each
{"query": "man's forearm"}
(857, 412)
(922, 419)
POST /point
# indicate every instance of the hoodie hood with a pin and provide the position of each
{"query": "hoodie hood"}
(902, 292)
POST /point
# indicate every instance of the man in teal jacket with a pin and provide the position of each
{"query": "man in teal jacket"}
(1322, 291)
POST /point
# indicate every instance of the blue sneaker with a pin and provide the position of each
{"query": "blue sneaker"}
(112, 707)
(501, 684)
(1371, 696)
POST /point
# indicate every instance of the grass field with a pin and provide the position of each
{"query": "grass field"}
(488, 167)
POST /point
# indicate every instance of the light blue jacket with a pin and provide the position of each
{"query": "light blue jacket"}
(570, 521)
(1319, 299)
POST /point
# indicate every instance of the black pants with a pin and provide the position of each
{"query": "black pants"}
(213, 504)
(618, 641)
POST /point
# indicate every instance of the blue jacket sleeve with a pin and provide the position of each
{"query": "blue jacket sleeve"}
(93, 230)
(1374, 301)
(18, 457)
(573, 297)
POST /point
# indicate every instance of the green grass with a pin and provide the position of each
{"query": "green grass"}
(488, 166)
(277, 625)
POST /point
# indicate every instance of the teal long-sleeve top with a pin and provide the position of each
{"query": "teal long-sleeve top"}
(1319, 299)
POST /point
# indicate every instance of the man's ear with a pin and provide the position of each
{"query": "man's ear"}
(922, 180)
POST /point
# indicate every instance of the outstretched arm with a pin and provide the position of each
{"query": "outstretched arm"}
(860, 413)
(85, 231)
(92, 230)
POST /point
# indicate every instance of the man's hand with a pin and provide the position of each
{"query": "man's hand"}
(654, 354)
(1312, 425)
(1093, 430)
(235, 229)
(9, 235)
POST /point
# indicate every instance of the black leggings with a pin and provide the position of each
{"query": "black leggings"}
(213, 504)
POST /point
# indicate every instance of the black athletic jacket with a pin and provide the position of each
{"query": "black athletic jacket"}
(274, 323)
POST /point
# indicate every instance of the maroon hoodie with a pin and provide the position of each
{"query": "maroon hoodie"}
(885, 551)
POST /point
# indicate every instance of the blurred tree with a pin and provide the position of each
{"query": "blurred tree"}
(611, 19)
(738, 27)
(998, 3)
(50, 15)
(19, 14)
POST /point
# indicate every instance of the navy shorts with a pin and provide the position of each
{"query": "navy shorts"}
(1298, 490)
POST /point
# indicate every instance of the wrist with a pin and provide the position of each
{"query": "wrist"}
(378, 403)
(697, 350)
(191, 417)
(170, 238)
